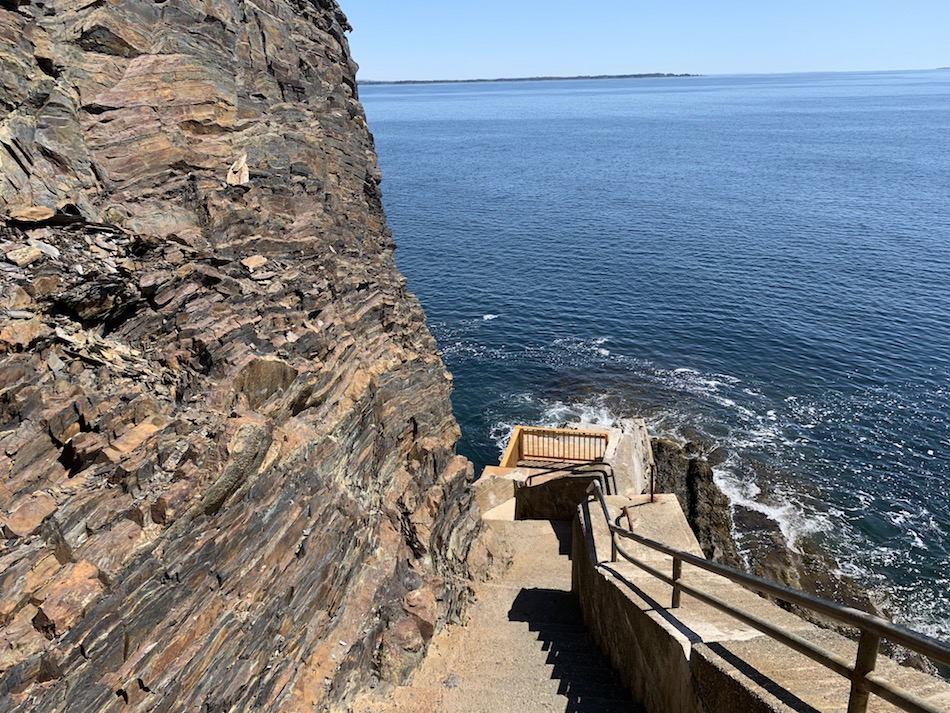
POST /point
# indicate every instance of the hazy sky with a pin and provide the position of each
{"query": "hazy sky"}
(448, 39)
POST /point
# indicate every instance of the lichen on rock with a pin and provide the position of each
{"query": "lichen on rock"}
(227, 453)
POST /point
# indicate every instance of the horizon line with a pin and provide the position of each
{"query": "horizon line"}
(642, 75)
(647, 75)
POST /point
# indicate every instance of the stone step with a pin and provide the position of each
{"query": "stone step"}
(506, 612)
(599, 704)
(550, 578)
(507, 701)
(505, 687)
(516, 630)
(489, 702)
(500, 637)
(579, 664)
(520, 657)
(523, 600)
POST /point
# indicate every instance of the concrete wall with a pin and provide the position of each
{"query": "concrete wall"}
(629, 452)
(649, 658)
(634, 454)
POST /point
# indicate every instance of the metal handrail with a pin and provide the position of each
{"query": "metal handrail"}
(604, 469)
(873, 628)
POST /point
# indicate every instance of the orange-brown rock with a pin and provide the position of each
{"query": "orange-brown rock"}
(63, 601)
(420, 604)
(28, 514)
(21, 333)
(227, 467)
(20, 640)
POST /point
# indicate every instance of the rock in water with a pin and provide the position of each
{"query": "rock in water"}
(704, 504)
(227, 454)
(766, 552)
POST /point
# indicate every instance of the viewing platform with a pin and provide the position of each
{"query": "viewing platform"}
(609, 605)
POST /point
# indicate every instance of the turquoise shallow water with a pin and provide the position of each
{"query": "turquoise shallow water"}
(764, 260)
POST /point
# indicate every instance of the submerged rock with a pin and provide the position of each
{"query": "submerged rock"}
(227, 454)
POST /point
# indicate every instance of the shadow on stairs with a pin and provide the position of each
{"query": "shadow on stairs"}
(585, 676)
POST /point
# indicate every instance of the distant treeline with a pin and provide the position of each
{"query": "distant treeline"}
(652, 75)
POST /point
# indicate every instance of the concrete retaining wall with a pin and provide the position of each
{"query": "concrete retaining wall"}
(629, 452)
(648, 657)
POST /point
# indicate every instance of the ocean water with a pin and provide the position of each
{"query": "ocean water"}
(759, 261)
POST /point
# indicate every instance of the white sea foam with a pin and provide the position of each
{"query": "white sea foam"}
(593, 411)
(489, 317)
(916, 608)
(500, 434)
(790, 516)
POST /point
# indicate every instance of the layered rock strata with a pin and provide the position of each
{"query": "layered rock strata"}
(227, 469)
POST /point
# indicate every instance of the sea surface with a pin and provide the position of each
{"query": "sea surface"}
(760, 262)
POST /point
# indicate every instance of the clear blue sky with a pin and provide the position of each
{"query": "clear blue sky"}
(448, 39)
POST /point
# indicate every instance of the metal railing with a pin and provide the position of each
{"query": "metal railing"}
(603, 471)
(873, 628)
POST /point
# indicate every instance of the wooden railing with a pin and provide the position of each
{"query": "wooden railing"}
(554, 445)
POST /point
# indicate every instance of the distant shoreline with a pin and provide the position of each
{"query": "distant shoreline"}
(652, 75)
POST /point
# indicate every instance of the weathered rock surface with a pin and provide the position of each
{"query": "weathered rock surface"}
(706, 507)
(227, 470)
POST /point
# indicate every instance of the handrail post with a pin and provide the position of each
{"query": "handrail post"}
(613, 546)
(863, 665)
(652, 482)
(677, 576)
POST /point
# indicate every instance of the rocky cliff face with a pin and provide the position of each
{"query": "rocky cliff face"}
(227, 470)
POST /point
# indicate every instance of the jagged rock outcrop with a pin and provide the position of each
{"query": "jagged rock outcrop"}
(706, 507)
(227, 469)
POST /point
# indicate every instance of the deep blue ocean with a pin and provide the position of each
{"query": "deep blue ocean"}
(760, 261)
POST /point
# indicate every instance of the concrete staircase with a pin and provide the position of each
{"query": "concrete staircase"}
(525, 647)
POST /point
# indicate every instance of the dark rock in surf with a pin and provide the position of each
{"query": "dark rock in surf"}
(705, 505)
